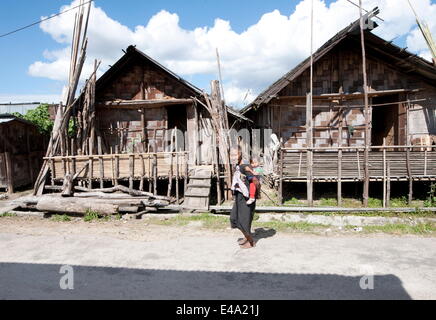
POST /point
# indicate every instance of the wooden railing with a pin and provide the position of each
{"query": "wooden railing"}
(115, 167)
(347, 164)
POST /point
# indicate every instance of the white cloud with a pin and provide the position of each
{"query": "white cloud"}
(252, 59)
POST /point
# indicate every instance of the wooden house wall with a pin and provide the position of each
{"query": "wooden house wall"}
(26, 147)
(341, 68)
(123, 128)
(139, 80)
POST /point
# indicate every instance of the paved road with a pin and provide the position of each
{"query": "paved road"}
(211, 266)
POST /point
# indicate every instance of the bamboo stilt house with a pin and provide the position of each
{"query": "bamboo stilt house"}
(126, 128)
(402, 122)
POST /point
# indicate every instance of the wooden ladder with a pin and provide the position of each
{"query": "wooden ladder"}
(198, 189)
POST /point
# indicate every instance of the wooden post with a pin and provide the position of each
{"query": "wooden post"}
(309, 144)
(281, 177)
(384, 173)
(117, 165)
(150, 168)
(155, 173)
(91, 171)
(73, 160)
(340, 157)
(388, 187)
(216, 168)
(9, 172)
(52, 169)
(100, 160)
(185, 155)
(358, 164)
(170, 179)
(365, 90)
(112, 166)
(141, 183)
(177, 166)
(131, 170)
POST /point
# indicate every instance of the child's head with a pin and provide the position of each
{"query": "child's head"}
(254, 162)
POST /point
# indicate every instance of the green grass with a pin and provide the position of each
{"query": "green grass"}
(328, 202)
(290, 226)
(8, 214)
(61, 218)
(293, 201)
(90, 215)
(207, 220)
(401, 229)
(375, 203)
(399, 202)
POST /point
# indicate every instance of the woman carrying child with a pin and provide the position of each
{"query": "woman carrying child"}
(246, 188)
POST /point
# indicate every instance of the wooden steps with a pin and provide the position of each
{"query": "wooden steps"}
(198, 189)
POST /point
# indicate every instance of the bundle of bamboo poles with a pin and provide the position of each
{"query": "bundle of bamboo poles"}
(60, 127)
(220, 123)
(425, 30)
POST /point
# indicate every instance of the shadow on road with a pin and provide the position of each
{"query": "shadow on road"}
(261, 233)
(41, 281)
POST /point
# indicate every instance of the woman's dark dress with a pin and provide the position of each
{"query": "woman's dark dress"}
(242, 214)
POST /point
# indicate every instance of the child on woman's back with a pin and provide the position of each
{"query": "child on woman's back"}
(252, 172)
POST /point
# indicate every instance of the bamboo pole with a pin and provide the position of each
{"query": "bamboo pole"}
(365, 90)
(309, 143)
(309, 120)
(340, 158)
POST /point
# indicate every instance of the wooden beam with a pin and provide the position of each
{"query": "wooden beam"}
(134, 104)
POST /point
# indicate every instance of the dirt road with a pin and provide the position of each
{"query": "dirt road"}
(131, 259)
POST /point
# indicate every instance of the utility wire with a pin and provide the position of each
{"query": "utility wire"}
(42, 20)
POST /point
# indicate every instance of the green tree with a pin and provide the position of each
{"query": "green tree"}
(39, 117)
